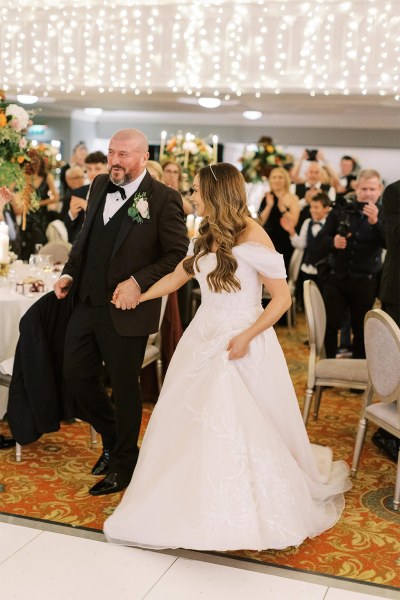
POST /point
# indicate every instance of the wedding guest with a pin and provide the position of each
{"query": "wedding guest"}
(347, 178)
(155, 170)
(279, 204)
(307, 186)
(75, 178)
(78, 156)
(226, 463)
(38, 220)
(307, 240)
(173, 177)
(95, 163)
(133, 234)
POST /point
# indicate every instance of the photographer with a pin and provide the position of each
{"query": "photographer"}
(353, 236)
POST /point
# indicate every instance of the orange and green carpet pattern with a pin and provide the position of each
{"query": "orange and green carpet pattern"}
(51, 483)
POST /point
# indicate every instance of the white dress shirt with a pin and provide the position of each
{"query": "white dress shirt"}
(114, 200)
(300, 241)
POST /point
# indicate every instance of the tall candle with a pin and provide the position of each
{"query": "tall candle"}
(186, 145)
(215, 149)
(162, 145)
(4, 243)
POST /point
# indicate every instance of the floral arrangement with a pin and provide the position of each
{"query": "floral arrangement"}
(49, 154)
(259, 159)
(15, 161)
(140, 208)
(190, 152)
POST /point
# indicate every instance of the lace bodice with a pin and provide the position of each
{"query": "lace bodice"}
(253, 259)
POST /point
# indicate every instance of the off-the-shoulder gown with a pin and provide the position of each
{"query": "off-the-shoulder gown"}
(226, 462)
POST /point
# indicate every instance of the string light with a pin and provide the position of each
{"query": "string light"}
(218, 48)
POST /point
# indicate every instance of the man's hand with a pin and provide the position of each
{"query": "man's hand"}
(309, 195)
(62, 286)
(339, 242)
(126, 295)
(371, 211)
(76, 206)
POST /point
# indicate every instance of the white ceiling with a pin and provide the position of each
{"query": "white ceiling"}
(312, 63)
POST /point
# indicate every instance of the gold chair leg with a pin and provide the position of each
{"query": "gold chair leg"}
(160, 373)
(18, 452)
(396, 499)
(93, 437)
(361, 433)
(307, 404)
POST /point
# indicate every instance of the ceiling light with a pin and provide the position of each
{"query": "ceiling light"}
(27, 99)
(209, 102)
(253, 115)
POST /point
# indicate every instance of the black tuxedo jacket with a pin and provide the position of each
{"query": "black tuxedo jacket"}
(148, 251)
(390, 281)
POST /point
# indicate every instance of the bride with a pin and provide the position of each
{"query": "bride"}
(226, 463)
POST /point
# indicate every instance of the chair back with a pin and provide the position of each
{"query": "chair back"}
(314, 309)
(155, 337)
(56, 231)
(58, 251)
(382, 348)
(294, 265)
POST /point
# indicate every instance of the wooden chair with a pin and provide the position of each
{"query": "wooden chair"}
(382, 347)
(326, 372)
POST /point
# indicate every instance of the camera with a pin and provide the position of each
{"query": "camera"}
(347, 205)
(311, 154)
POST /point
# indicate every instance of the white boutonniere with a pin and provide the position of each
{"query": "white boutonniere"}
(140, 208)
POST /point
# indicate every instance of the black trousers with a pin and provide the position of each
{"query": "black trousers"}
(356, 292)
(91, 340)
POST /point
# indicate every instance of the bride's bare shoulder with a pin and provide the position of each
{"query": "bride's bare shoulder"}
(255, 233)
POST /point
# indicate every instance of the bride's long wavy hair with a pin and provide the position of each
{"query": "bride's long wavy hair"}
(222, 189)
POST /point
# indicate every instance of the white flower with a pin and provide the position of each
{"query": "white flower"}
(19, 116)
(143, 208)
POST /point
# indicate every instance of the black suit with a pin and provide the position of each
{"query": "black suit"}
(98, 332)
(390, 282)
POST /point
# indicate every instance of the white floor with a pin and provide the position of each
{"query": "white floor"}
(40, 561)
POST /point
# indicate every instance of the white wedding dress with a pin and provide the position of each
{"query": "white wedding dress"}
(226, 463)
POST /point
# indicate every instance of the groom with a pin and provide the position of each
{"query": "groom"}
(133, 234)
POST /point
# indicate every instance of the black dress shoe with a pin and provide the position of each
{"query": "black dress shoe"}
(109, 485)
(103, 464)
(6, 442)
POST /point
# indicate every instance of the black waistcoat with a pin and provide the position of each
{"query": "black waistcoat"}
(99, 247)
(311, 255)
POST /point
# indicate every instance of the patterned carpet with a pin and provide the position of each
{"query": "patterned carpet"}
(51, 484)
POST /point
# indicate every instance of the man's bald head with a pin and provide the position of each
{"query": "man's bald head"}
(128, 153)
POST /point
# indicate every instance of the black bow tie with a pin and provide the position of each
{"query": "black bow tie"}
(316, 223)
(111, 187)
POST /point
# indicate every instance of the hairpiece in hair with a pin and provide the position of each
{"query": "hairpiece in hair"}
(215, 177)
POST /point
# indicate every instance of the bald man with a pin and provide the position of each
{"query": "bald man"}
(133, 234)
